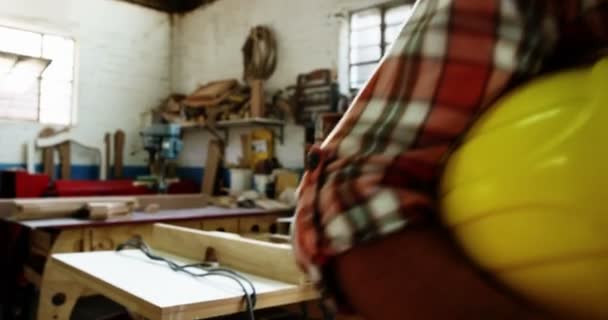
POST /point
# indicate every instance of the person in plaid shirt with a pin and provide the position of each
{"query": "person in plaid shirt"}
(366, 227)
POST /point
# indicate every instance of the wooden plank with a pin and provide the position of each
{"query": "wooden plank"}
(246, 151)
(107, 139)
(48, 157)
(119, 147)
(46, 208)
(107, 210)
(31, 209)
(270, 260)
(174, 201)
(65, 155)
(214, 158)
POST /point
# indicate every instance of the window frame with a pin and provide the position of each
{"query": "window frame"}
(383, 7)
(50, 31)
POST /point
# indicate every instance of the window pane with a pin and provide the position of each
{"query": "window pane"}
(398, 15)
(55, 102)
(18, 99)
(391, 33)
(365, 55)
(7, 61)
(61, 51)
(365, 19)
(365, 38)
(360, 74)
(21, 42)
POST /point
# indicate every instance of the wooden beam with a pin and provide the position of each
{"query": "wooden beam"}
(269, 260)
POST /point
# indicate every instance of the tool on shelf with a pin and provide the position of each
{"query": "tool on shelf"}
(163, 143)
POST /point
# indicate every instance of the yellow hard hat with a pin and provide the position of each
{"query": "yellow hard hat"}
(524, 194)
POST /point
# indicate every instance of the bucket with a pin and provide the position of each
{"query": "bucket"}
(240, 180)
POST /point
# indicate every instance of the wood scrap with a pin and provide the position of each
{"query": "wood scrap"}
(173, 104)
(224, 202)
(269, 204)
(119, 146)
(214, 158)
(215, 89)
(107, 210)
(198, 102)
(152, 208)
(107, 139)
(148, 203)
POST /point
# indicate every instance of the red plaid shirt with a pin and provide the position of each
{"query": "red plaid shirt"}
(376, 173)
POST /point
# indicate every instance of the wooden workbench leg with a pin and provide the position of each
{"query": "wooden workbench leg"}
(58, 294)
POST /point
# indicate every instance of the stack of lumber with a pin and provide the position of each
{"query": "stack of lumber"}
(214, 101)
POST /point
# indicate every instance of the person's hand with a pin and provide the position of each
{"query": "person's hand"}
(420, 274)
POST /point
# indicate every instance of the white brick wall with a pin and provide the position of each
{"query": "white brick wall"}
(124, 67)
(207, 46)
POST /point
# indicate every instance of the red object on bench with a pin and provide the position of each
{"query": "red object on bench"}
(81, 188)
(22, 184)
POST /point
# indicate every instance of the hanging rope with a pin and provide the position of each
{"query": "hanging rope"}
(259, 54)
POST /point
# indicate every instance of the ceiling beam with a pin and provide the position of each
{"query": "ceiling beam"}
(171, 6)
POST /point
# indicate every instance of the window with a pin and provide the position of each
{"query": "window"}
(372, 31)
(28, 95)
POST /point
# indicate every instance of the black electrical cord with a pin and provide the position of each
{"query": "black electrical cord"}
(250, 298)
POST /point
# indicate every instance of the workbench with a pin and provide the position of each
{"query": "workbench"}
(68, 235)
(151, 289)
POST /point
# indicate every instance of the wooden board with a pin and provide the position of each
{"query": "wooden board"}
(214, 158)
(48, 157)
(257, 257)
(119, 147)
(174, 201)
(155, 291)
(107, 140)
(45, 208)
(65, 155)
(246, 151)
(107, 210)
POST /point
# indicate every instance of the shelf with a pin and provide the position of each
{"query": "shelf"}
(250, 122)
(225, 125)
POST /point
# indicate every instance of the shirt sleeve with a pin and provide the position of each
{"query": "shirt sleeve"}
(376, 172)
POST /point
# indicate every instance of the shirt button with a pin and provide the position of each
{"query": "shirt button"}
(312, 160)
